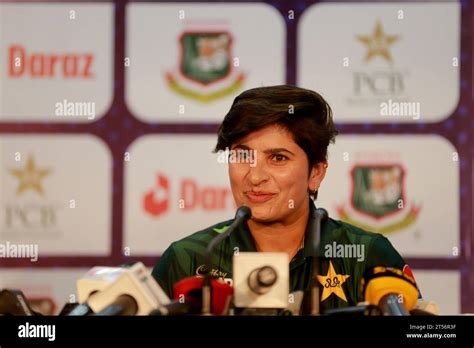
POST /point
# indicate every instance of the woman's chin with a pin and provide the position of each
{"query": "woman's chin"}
(262, 215)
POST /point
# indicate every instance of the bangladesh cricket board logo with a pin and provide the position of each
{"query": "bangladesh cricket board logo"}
(378, 202)
(206, 71)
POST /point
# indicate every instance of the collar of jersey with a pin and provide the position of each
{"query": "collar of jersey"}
(242, 238)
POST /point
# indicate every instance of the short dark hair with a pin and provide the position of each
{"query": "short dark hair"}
(302, 112)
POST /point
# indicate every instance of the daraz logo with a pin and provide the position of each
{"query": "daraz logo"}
(22, 63)
(156, 201)
(192, 196)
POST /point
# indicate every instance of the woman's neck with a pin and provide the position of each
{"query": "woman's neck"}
(281, 236)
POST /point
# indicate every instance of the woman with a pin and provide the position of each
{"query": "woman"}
(286, 130)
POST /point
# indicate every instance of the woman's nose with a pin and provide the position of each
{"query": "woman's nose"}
(258, 173)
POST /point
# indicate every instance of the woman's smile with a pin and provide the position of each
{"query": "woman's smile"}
(259, 197)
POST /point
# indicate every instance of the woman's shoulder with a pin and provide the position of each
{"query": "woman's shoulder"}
(339, 229)
(378, 249)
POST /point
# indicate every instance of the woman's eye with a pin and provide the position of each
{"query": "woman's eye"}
(279, 158)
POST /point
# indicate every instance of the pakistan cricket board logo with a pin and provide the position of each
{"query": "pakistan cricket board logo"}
(378, 195)
(29, 212)
(378, 44)
(206, 60)
(378, 77)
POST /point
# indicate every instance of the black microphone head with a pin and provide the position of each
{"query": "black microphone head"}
(243, 212)
(13, 302)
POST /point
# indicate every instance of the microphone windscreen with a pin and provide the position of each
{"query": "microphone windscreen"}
(380, 281)
(13, 302)
(243, 212)
(191, 288)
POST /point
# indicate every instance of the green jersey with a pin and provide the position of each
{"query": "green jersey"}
(346, 252)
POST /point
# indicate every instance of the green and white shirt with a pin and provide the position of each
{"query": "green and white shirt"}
(340, 276)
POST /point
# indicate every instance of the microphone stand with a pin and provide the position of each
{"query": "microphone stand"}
(319, 216)
(243, 213)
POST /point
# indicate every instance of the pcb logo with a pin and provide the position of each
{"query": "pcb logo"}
(378, 200)
(206, 70)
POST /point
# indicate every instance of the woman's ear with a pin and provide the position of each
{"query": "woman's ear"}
(316, 176)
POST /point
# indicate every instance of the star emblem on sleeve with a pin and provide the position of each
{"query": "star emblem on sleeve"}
(332, 283)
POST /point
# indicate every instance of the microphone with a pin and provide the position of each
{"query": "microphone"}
(362, 309)
(261, 283)
(390, 289)
(261, 279)
(189, 291)
(294, 305)
(95, 280)
(122, 305)
(174, 308)
(319, 216)
(242, 214)
(75, 309)
(13, 302)
(425, 308)
(134, 292)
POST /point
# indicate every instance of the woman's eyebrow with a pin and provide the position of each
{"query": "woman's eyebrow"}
(241, 146)
(278, 150)
(269, 151)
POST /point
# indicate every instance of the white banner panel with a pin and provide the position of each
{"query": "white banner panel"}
(187, 62)
(57, 61)
(174, 186)
(47, 290)
(405, 187)
(391, 62)
(56, 192)
(443, 287)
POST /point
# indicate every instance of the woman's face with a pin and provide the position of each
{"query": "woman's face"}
(275, 186)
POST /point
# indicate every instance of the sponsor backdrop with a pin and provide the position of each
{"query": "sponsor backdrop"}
(108, 116)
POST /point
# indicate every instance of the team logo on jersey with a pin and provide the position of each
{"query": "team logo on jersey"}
(332, 283)
(206, 69)
(378, 201)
